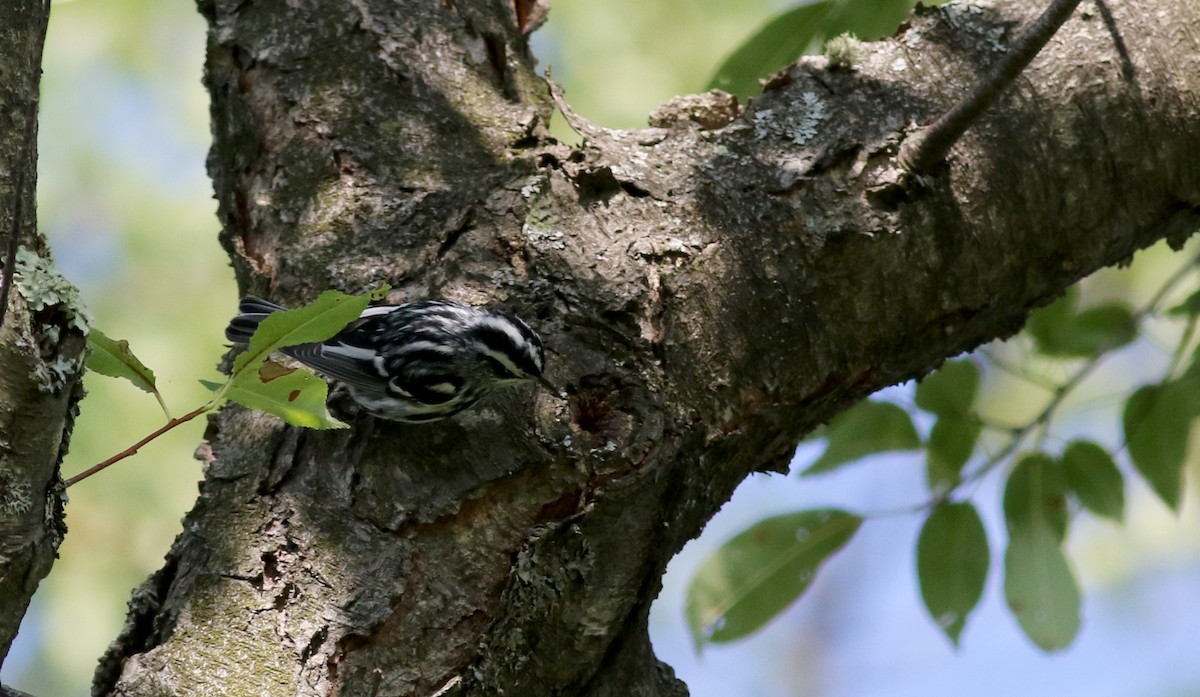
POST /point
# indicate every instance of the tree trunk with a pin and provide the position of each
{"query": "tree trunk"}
(710, 294)
(41, 338)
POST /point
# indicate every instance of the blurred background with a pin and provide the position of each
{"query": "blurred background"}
(126, 203)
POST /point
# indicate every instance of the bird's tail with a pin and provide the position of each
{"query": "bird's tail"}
(251, 312)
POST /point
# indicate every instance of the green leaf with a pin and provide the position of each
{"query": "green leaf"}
(952, 565)
(296, 396)
(1040, 589)
(1036, 495)
(949, 390)
(951, 443)
(317, 321)
(867, 428)
(761, 571)
(1157, 422)
(113, 358)
(804, 30)
(1094, 478)
(1187, 308)
(1101, 328)
(1059, 332)
(1046, 324)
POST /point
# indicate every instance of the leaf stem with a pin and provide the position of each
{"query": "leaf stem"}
(133, 449)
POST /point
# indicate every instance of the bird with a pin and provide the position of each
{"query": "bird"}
(415, 362)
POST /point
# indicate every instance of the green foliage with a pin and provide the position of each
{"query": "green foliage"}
(1039, 586)
(1188, 308)
(804, 30)
(1038, 583)
(1060, 331)
(317, 321)
(114, 359)
(951, 442)
(952, 554)
(1094, 479)
(950, 390)
(950, 394)
(1158, 421)
(1036, 494)
(298, 397)
(867, 428)
(952, 565)
(761, 571)
(295, 395)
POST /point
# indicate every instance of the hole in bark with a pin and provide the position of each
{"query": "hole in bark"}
(596, 186)
(270, 572)
(888, 198)
(590, 408)
(496, 53)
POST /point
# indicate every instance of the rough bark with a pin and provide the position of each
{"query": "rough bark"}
(710, 296)
(40, 347)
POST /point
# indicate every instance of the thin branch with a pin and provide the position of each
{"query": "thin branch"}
(133, 449)
(929, 147)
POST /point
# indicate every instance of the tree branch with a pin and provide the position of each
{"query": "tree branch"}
(711, 295)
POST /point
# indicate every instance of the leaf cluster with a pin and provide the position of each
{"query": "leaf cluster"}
(293, 394)
(753, 577)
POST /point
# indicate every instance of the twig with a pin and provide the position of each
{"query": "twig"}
(928, 147)
(133, 449)
(1060, 393)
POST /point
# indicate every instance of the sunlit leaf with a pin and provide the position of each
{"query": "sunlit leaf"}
(1035, 494)
(113, 358)
(761, 571)
(867, 428)
(1040, 589)
(804, 30)
(1157, 422)
(317, 321)
(952, 565)
(296, 396)
(950, 389)
(951, 443)
(1094, 478)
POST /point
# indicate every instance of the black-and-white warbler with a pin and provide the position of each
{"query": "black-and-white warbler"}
(415, 362)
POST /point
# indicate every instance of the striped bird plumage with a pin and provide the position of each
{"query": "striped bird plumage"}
(418, 361)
